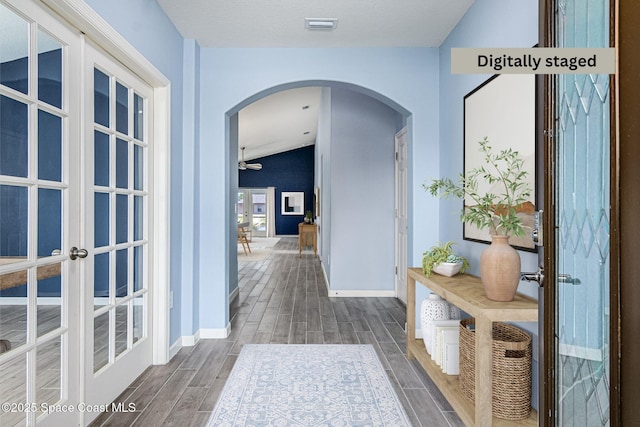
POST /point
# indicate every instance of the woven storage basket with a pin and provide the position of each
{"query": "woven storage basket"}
(511, 369)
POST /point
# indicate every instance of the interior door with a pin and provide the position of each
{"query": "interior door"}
(401, 215)
(117, 218)
(39, 196)
(581, 222)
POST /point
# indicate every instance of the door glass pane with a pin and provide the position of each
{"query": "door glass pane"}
(122, 108)
(138, 167)
(101, 217)
(121, 328)
(49, 313)
(122, 273)
(14, 141)
(13, 377)
(49, 69)
(138, 117)
(122, 163)
(100, 341)
(122, 222)
(14, 55)
(49, 221)
(101, 98)
(48, 373)
(101, 280)
(101, 159)
(49, 146)
(138, 317)
(138, 217)
(138, 261)
(582, 360)
(14, 214)
(13, 318)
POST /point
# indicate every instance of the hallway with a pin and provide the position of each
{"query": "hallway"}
(283, 299)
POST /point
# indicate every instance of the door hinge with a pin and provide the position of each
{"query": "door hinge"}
(549, 133)
(396, 270)
(396, 156)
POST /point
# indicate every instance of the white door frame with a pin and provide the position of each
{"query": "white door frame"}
(81, 16)
(401, 215)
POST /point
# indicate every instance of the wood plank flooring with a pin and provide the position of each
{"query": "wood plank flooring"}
(283, 299)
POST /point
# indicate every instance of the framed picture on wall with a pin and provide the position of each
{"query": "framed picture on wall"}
(292, 203)
(503, 109)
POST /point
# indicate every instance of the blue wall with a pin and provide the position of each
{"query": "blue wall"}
(289, 171)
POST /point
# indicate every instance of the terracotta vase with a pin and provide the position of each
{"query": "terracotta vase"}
(500, 269)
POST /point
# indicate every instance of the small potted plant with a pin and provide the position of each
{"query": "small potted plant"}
(497, 211)
(308, 217)
(442, 259)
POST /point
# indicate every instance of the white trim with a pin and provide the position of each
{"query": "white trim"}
(580, 352)
(362, 293)
(84, 18)
(215, 333)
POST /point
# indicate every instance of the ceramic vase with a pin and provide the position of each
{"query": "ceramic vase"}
(432, 308)
(500, 269)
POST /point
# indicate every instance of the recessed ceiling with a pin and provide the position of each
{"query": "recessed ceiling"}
(362, 23)
(280, 122)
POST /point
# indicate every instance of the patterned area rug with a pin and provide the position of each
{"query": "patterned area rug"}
(308, 385)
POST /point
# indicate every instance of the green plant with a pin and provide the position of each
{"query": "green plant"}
(441, 253)
(497, 212)
(309, 215)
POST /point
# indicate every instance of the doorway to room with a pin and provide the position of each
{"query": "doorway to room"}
(252, 211)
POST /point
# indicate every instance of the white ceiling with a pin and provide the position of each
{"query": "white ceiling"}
(277, 123)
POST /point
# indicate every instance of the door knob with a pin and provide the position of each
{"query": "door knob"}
(538, 276)
(75, 253)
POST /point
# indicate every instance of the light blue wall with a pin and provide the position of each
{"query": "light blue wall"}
(362, 252)
(488, 23)
(145, 25)
(229, 80)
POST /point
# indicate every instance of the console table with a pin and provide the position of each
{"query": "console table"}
(307, 236)
(466, 292)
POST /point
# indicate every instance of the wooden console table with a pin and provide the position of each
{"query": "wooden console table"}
(466, 292)
(307, 236)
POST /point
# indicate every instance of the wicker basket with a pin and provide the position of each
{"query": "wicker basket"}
(511, 369)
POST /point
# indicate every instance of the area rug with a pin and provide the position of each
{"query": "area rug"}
(308, 385)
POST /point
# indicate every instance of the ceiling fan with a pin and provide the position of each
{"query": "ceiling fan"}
(242, 165)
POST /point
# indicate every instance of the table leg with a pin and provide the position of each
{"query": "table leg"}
(411, 314)
(484, 362)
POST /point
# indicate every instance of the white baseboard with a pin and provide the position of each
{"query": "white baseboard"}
(175, 348)
(215, 333)
(234, 294)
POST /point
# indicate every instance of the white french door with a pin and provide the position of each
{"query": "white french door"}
(39, 199)
(115, 228)
(75, 222)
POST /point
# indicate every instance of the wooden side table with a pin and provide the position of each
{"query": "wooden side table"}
(307, 236)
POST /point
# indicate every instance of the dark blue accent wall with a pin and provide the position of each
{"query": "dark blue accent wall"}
(288, 171)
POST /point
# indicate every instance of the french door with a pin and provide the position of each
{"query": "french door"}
(75, 197)
(115, 227)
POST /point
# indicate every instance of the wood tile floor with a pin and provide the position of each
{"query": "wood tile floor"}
(283, 299)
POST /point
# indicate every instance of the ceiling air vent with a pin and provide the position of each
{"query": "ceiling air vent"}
(320, 23)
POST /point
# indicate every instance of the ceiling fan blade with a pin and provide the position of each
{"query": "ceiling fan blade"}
(253, 166)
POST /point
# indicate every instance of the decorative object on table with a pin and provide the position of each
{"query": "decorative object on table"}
(503, 107)
(511, 382)
(432, 308)
(497, 211)
(308, 217)
(442, 259)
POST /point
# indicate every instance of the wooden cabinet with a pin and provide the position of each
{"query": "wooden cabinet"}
(307, 236)
(466, 292)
